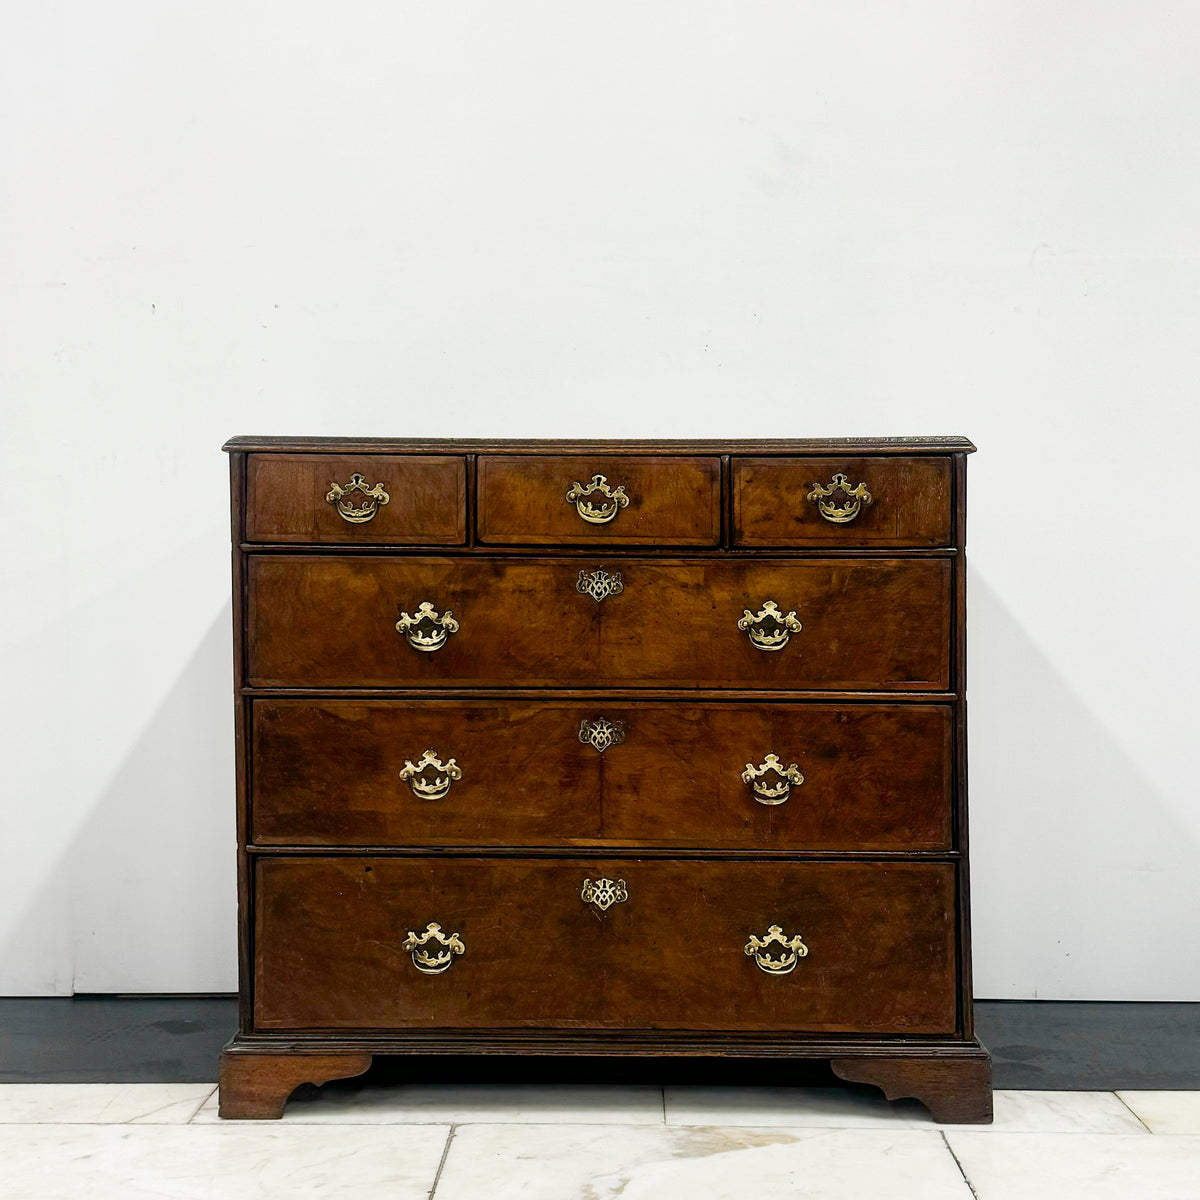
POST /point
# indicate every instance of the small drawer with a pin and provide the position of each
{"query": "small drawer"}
(604, 943)
(828, 502)
(566, 500)
(798, 777)
(364, 498)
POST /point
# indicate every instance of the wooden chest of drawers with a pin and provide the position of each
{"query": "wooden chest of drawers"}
(602, 749)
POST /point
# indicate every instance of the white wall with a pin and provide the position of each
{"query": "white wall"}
(621, 219)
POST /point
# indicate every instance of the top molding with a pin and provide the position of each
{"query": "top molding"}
(856, 446)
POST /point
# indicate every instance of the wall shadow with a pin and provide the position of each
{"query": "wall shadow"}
(151, 870)
(1083, 876)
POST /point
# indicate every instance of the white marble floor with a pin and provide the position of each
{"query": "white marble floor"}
(367, 1140)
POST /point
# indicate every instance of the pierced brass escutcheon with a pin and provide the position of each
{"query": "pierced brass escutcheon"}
(854, 499)
(436, 961)
(604, 893)
(599, 584)
(769, 629)
(601, 733)
(428, 628)
(602, 511)
(759, 778)
(429, 777)
(352, 508)
(793, 949)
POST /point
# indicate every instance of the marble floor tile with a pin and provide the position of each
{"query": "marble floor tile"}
(1166, 1112)
(793, 1107)
(101, 1103)
(157, 1162)
(1078, 1166)
(351, 1102)
(1058, 1112)
(543, 1162)
(860, 1108)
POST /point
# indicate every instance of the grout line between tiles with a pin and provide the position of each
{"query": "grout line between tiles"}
(445, 1153)
(1134, 1111)
(296, 1123)
(202, 1103)
(958, 1164)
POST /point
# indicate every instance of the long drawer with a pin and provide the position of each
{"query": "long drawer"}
(830, 624)
(863, 777)
(401, 943)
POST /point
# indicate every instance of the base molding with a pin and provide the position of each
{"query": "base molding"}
(951, 1077)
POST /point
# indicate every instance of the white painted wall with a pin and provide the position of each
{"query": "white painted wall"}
(617, 219)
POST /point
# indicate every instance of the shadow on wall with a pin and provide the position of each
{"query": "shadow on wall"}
(1082, 873)
(151, 871)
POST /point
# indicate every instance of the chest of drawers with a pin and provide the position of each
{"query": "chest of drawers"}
(602, 749)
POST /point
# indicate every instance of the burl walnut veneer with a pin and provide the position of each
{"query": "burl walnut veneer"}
(610, 748)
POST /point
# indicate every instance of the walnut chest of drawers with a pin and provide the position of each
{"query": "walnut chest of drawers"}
(606, 748)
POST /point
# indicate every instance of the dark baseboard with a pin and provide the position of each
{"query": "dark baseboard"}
(1035, 1044)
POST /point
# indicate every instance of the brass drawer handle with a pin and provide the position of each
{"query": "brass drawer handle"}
(599, 584)
(603, 511)
(601, 733)
(352, 508)
(429, 777)
(769, 629)
(854, 499)
(784, 962)
(772, 781)
(428, 628)
(436, 961)
(604, 893)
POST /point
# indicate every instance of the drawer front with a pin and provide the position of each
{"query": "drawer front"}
(782, 502)
(523, 500)
(867, 623)
(366, 498)
(507, 772)
(331, 937)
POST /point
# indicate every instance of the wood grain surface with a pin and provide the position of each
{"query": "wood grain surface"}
(868, 623)
(672, 501)
(286, 499)
(330, 933)
(910, 502)
(876, 777)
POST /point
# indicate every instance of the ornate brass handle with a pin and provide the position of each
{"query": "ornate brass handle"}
(785, 959)
(433, 962)
(772, 781)
(603, 510)
(599, 584)
(429, 777)
(769, 629)
(601, 733)
(604, 893)
(854, 499)
(427, 629)
(357, 509)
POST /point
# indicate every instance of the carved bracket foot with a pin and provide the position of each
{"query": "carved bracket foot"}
(956, 1088)
(256, 1086)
